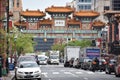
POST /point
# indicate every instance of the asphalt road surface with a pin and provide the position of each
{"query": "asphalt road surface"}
(59, 72)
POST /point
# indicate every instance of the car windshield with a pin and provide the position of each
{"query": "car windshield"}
(41, 58)
(112, 61)
(28, 65)
(30, 58)
(53, 57)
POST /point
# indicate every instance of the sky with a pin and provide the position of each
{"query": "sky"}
(42, 4)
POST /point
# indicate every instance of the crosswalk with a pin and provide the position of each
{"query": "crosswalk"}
(71, 73)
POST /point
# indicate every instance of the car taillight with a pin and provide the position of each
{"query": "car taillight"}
(94, 62)
(110, 65)
(105, 63)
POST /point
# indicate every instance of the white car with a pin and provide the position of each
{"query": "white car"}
(42, 59)
(28, 70)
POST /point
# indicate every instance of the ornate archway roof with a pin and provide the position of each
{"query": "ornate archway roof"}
(73, 21)
(33, 13)
(60, 9)
(22, 23)
(98, 23)
(45, 21)
(85, 13)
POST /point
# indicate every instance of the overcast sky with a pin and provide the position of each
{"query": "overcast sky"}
(42, 4)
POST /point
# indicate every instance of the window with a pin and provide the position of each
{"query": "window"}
(17, 3)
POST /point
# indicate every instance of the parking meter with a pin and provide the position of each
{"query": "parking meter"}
(0, 66)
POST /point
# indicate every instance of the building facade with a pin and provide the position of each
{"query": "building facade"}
(61, 27)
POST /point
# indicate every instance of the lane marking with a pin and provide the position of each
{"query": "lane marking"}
(90, 73)
(70, 74)
(55, 72)
(78, 72)
(45, 74)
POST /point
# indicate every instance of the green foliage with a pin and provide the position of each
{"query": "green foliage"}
(59, 47)
(23, 43)
(2, 41)
(81, 43)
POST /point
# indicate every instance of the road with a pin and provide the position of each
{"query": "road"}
(58, 72)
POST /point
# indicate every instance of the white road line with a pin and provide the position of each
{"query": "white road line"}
(45, 74)
(55, 73)
(70, 74)
(78, 72)
(90, 73)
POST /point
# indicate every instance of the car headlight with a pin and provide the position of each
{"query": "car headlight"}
(36, 71)
(20, 72)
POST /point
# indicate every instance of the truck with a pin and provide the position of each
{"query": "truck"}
(71, 53)
(91, 52)
(53, 57)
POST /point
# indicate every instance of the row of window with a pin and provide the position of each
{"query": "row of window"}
(84, 0)
(84, 7)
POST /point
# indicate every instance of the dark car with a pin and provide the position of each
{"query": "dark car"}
(110, 66)
(98, 64)
(117, 66)
(102, 64)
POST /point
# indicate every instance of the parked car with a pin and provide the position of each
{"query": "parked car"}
(76, 63)
(102, 64)
(81, 60)
(98, 64)
(110, 66)
(27, 70)
(117, 66)
(86, 64)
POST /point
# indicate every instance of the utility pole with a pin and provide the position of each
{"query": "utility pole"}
(7, 51)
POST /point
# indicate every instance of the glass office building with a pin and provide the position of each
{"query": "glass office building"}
(84, 4)
(115, 5)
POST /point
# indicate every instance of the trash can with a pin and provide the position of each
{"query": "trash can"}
(11, 66)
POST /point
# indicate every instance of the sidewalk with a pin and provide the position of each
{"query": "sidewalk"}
(9, 77)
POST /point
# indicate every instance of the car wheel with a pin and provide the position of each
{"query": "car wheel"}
(117, 75)
(39, 78)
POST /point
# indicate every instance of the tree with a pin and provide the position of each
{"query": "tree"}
(3, 44)
(81, 43)
(20, 42)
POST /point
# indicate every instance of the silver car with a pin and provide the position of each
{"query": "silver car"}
(28, 70)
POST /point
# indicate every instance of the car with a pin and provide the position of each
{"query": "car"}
(117, 66)
(27, 70)
(86, 64)
(42, 59)
(102, 64)
(110, 66)
(76, 63)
